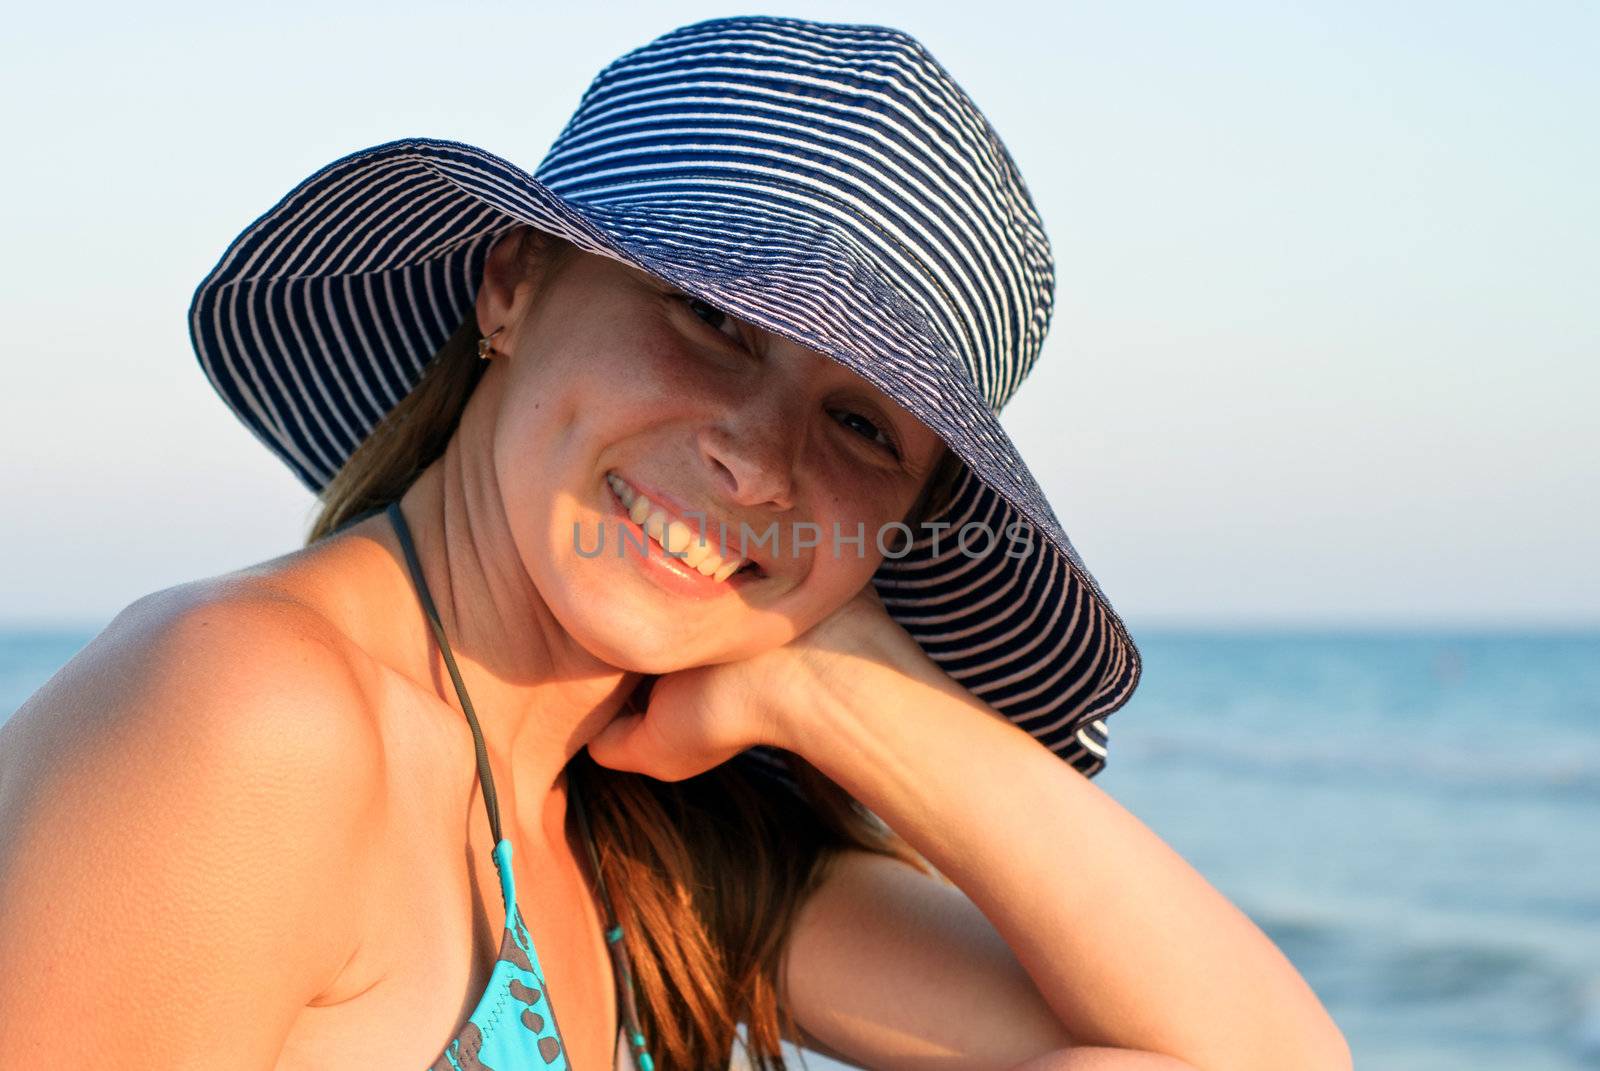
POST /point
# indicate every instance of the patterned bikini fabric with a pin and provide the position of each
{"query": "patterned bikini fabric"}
(513, 1027)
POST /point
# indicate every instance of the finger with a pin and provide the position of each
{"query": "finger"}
(617, 745)
(633, 743)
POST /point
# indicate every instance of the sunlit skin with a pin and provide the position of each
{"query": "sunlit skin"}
(610, 370)
(613, 370)
(605, 369)
(599, 367)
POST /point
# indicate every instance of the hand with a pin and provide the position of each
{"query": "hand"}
(699, 718)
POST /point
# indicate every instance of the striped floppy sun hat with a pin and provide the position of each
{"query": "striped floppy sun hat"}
(829, 183)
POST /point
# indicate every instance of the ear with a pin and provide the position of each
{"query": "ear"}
(502, 273)
(519, 264)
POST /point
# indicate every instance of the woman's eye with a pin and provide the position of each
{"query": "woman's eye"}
(871, 431)
(719, 319)
(716, 319)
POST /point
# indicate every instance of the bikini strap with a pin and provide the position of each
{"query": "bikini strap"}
(621, 963)
(490, 802)
(622, 967)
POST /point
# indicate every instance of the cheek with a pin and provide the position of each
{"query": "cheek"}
(629, 382)
(643, 357)
(528, 445)
(841, 565)
(538, 465)
(866, 504)
(667, 371)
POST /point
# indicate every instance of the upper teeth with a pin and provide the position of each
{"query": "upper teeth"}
(674, 535)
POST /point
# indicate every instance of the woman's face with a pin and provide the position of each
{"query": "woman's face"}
(616, 384)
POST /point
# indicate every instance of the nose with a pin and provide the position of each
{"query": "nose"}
(753, 454)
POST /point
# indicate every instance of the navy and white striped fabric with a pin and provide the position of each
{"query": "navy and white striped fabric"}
(830, 183)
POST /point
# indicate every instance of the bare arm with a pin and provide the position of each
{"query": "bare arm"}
(1094, 1058)
(180, 804)
(888, 967)
(1128, 945)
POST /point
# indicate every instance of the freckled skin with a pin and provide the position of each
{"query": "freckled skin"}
(676, 395)
(604, 369)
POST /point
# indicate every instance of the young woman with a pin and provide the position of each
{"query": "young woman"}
(458, 784)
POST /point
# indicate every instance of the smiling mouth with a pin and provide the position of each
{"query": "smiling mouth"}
(677, 539)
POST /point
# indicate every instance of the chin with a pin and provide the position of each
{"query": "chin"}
(624, 651)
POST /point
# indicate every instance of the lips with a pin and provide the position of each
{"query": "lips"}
(691, 545)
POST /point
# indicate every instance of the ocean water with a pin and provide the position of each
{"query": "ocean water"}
(1414, 818)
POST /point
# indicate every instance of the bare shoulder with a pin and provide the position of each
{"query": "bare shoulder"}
(890, 967)
(208, 766)
(214, 669)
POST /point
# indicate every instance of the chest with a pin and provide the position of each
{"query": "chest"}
(433, 923)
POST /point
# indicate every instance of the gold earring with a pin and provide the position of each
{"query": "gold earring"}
(485, 347)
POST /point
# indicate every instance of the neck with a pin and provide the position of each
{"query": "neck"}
(539, 697)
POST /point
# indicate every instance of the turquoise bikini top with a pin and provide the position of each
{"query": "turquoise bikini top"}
(513, 1027)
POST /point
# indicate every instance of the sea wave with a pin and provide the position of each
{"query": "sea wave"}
(1489, 765)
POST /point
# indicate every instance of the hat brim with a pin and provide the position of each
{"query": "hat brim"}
(322, 314)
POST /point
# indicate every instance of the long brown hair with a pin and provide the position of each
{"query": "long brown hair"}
(709, 873)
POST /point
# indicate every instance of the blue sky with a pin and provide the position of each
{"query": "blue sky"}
(1325, 348)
